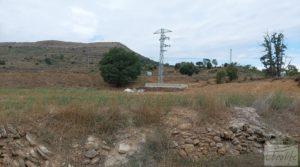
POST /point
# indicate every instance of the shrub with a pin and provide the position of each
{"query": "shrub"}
(220, 76)
(291, 70)
(2, 62)
(119, 67)
(187, 69)
(232, 72)
(48, 61)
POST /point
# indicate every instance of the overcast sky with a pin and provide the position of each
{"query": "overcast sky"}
(201, 28)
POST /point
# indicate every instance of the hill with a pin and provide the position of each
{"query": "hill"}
(56, 55)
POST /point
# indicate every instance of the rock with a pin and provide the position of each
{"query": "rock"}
(235, 141)
(3, 132)
(30, 164)
(205, 152)
(257, 145)
(250, 131)
(91, 154)
(182, 153)
(105, 147)
(217, 139)
(95, 160)
(185, 126)
(189, 148)
(239, 148)
(259, 132)
(174, 144)
(200, 130)
(222, 151)
(245, 127)
(21, 162)
(44, 152)
(233, 129)
(175, 133)
(212, 144)
(34, 154)
(123, 148)
(48, 164)
(189, 141)
(91, 139)
(196, 141)
(30, 139)
(219, 145)
(11, 129)
(226, 135)
(251, 138)
(208, 130)
(86, 161)
(261, 140)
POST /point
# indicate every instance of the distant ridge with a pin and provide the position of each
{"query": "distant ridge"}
(56, 55)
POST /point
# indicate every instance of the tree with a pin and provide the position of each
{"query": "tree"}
(177, 66)
(273, 60)
(119, 67)
(187, 69)
(232, 72)
(280, 47)
(291, 70)
(205, 61)
(200, 64)
(215, 62)
(209, 65)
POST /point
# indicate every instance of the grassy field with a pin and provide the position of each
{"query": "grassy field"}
(58, 115)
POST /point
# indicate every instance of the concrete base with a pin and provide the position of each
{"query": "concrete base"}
(164, 87)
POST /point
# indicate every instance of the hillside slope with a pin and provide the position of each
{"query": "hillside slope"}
(56, 55)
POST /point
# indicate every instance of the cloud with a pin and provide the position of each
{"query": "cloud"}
(83, 22)
(201, 28)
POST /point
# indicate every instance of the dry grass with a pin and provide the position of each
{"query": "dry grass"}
(60, 115)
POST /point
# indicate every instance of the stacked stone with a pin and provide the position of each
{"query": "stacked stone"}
(19, 149)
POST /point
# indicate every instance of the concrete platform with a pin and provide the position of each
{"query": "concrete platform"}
(164, 87)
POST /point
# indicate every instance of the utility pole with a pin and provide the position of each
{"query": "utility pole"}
(162, 40)
(230, 56)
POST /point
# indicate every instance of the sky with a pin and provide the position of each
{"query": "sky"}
(200, 28)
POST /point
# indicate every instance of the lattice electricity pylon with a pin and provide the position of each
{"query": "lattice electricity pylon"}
(162, 40)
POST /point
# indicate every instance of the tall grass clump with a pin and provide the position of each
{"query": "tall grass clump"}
(239, 99)
(280, 101)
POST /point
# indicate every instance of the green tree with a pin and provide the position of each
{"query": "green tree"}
(187, 69)
(279, 47)
(209, 65)
(200, 64)
(232, 72)
(177, 66)
(273, 61)
(215, 62)
(119, 67)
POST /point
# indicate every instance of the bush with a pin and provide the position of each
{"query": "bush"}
(48, 61)
(187, 69)
(119, 67)
(232, 72)
(220, 76)
(291, 70)
(2, 62)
